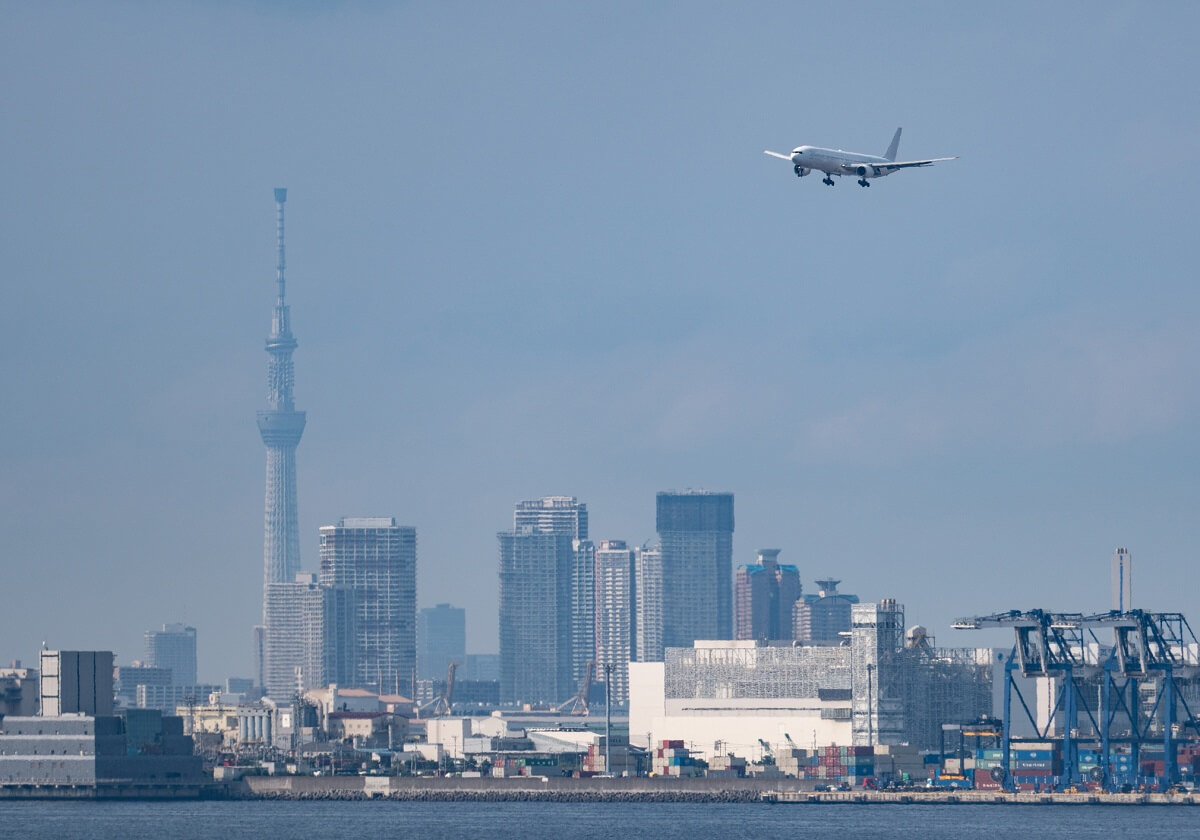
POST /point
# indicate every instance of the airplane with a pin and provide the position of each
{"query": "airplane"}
(832, 162)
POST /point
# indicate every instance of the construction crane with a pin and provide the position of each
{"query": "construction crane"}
(578, 703)
(443, 703)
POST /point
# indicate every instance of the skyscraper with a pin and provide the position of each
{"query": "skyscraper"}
(583, 607)
(535, 616)
(174, 647)
(764, 594)
(309, 631)
(695, 530)
(281, 426)
(377, 560)
(546, 600)
(823, 617)
(441, 639)
(648, 619)
(616, 616)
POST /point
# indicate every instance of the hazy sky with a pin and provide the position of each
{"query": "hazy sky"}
(535, 248)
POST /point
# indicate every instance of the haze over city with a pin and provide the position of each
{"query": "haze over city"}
(537, 250)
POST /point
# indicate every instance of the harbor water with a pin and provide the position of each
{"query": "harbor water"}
(581, 821)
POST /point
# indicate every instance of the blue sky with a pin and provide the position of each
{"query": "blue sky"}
(535, 249)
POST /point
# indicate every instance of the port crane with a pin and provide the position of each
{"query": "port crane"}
(1159, 647)
(1046, 645)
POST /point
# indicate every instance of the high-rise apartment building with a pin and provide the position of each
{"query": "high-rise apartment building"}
(441, 639)
(309, 636)
(695, 531)
(547, 634)
(535, 616)
(174, 647)
(764, 594)
(825, 616)
(648, 606)
(583, 607)
(377, 560)
(616, 616)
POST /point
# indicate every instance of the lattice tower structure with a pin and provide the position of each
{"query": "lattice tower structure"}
(941, 685)
(281, 427)
(876, 640)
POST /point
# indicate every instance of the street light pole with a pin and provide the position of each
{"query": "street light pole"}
(608, 718)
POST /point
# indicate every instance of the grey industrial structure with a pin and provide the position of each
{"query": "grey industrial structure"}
(76, 747)
(375, 560)
(441, 639)
(546, 573)
(695, 531)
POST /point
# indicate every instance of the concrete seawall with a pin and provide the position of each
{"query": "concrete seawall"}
(548, 789)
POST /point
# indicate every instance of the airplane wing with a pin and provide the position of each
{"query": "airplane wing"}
(777, 154)
(900, 164)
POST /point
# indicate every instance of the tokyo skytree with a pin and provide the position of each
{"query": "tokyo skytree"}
(281, 426)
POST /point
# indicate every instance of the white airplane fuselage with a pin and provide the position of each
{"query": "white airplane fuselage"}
(839, 162)
(806, 159)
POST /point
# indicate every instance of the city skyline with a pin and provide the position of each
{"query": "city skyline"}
(519, 267)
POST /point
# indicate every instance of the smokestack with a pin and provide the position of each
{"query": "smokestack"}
(1122, 580)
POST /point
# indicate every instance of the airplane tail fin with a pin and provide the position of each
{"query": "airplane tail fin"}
(892, 149)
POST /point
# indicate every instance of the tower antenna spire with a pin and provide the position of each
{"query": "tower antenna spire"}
(280, 261)
(281, 426)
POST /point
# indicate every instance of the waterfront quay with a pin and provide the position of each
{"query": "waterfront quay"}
(696, 790)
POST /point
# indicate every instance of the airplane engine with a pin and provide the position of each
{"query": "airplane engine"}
(801, 171)
(866, 171)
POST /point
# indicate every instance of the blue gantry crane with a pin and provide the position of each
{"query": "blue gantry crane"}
(1155, 647)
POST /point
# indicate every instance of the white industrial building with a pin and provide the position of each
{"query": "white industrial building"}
(874, 688)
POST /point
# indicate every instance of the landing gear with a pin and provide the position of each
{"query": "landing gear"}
(863, 182)
(799, 172)
(827, 181)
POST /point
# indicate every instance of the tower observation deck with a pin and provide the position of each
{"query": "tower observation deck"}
(281, 426)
